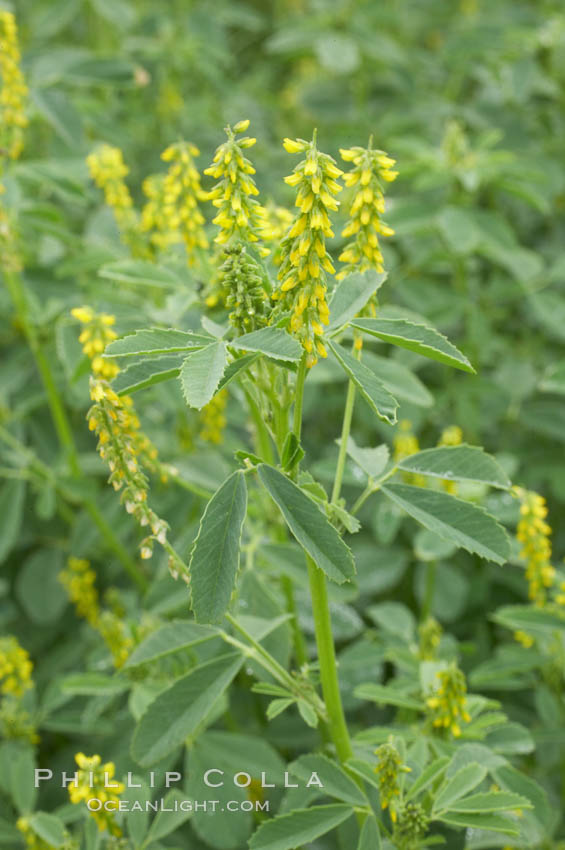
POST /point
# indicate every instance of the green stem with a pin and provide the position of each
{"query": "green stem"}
(263, 438)
(299, 397)
(62, 425)
(431, 570)
(58, 413)
(300, 652)
(328, 663)
(345, 431)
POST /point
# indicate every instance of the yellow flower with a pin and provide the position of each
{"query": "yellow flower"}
(240, 217)
(450, 436)
(79, 580)
(535, 536)
(370, 168)
(447, 704)
(13, 91)
(108, 170)
(172, 211)
(15, 668)
(96, 781)
(405, 443)
(125, 448)
(389, 767)
(213, 420)
(95, 337)
(304, 260)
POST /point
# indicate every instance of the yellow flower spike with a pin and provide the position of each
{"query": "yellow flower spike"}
(172, 214)
(388, 769)
(303, 256)
(233, 171)
(371, 167)
(213, 420)
(535, 536)
(91, 784)
(15, 668)
(13, 90)
(108, 170)
(447, 706)
(79, 580)
(405, 443)
(95, 337)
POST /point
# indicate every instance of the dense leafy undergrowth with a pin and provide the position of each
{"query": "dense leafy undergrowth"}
(281, 425)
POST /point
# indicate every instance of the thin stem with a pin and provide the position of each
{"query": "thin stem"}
(263, 439)
(299, 397)
(328, 663)
(427, 604)
(300, 652)
(58, 413)
(345, 431)
(63, 427)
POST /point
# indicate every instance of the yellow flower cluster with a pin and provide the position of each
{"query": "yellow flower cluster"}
(448, 702)
(534, 534)
(108, 170)
(405, 443)
(125, 449)
(13, 92)
(370, 169)
(213, 419)
(172, 210)
(277, 223)
(388, 769)
(95, 337)
(79, 580)
(304, 258)
(91, 782)
(450, 436)
(31, 838)
(240, 216)
(116, 636)
(429, 632)
(15, 668)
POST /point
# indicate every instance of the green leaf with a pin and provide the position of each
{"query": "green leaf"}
(312, 529)
(365, 770)
(214, 561)
(371, 461)
(168, 639)
(302, 826)
(147, 373)
(468, 526)
(351, 294)
(38, 588)
(494, 823)
(370, 837)
(457, 463)
(384, 695)
(491, 801)
(457, 786)
(155, 341)
(398, 379)
(274, 342)
(201, 373)
(428, 776)
(371, 388)
(553, 380)
(459, 229)
(166, 822)
(513, 780)
(415, 337)
(236, 367)
(335, 780)
(48, 827)
(529, 619)
(93, 684)
(12, 497)
(141, 273)
(177, 713)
